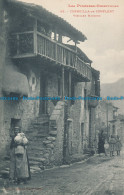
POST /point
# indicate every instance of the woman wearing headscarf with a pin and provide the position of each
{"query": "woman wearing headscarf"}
(19, 164)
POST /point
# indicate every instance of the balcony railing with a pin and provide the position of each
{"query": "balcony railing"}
(28, 44)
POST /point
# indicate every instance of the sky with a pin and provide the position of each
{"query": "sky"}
(105, 42)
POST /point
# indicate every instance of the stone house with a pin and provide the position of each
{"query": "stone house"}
(106, 115)
(117, 126)
(38, 64)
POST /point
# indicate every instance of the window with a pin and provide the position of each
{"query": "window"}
(14, 123)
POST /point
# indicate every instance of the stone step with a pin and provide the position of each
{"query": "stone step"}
(37, 159)
(37, 130)
(41, 120)
(32, 136)
(37, 137)
(33, 163)
(45, 142)
(34, 153)
(41, 143)
(39, 133)
(43, 130)
(54, 128)
(51, 138)
(37, 126)
(30, 148)
(34, 129)
(41, 123)
(35, 169)
(35, 148)
(53, 133)
(41, 136)
(44, 116)
(37, 142)
(51, 146)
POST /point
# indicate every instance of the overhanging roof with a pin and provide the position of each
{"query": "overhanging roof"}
(14, 82)
(48, 17)
(80, 53)
(96, 73)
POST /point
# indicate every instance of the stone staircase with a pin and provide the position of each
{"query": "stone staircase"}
(41, 143)
(42, 136)
(4, 169)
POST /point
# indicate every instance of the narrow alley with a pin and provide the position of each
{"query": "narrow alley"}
(99, 175)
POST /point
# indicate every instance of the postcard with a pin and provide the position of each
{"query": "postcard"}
(61, 97)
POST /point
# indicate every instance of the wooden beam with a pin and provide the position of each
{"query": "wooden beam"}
(69, 84)
(35, 36)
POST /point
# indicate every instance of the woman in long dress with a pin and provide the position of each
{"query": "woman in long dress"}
(19, 164)
(112, 142)
(101, 144)
(118, 145)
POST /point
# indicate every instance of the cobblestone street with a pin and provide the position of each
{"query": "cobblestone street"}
(96, 176)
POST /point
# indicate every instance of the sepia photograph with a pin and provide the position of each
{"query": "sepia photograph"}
(61, 97)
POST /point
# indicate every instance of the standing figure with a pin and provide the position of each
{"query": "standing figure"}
(101, 144)
(106, 147)
(118, 145)
(112, 145)
(95, 145)
(19, 164)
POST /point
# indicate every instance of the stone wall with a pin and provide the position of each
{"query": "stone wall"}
(57, 126)
(2, 63)
(25, 110)
(104, 114)
(79, 115)
(121, 131)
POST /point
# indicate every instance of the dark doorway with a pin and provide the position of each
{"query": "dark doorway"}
(82, 134)
(15, 123)
(43, 103)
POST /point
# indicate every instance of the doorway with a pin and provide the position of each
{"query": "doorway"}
(14, 123)
(43, 103)
(82, 135)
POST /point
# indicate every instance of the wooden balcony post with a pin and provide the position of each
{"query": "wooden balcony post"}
(76, 55)
(35, 36)
(63, 83)
(56, 52)
(55, 36)
(17, 37)
(69, 84)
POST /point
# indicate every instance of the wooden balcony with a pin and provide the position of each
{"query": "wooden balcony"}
(31, 44)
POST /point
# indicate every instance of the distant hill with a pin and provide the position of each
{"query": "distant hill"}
(112, 90)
